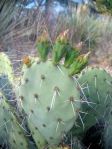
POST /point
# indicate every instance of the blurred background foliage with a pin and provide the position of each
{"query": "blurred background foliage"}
(104, 6)
(88, 21)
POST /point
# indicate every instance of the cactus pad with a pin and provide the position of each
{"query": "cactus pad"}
(108, 131)
(39, 139)
(96, 84)
(50, 98)
(6, 76)
(6, 66)
(11, 134)
(6, 87)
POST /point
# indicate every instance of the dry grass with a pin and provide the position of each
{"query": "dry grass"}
(23, 32)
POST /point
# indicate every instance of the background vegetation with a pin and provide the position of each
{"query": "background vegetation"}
(22, 21)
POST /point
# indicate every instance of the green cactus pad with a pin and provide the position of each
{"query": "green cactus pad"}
(108, 137)
(6, 76)
(6, 87)
(39, 139)
(108, 131)
(50, 98)
(6, 66)
(11, 134)
(96, 84)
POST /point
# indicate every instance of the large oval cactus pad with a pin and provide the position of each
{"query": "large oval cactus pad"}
(50, 98)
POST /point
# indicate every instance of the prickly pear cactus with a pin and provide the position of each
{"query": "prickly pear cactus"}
(108, 131)
(6, 76)
(50, 93)
(6, 66)
(76, 143)
(96, 86)
(39, 139)
(108, 137)
(60, 47)
(66, 147)
(70, 56)
(44, 45)
(6, 87)
(79, 64)
(11, 134)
